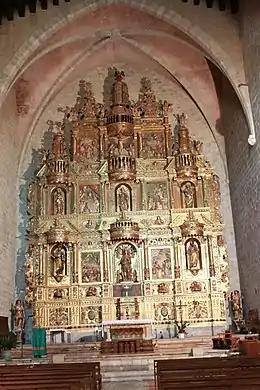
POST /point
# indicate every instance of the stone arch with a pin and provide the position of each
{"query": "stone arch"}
(208, 43)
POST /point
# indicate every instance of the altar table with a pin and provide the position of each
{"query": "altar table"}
(127, 347)
(127, 330)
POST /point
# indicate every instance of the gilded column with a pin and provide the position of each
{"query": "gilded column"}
(41, 261)
(200, 200)
(166, 134)
(140, 145)
(211, 262)
(177, 273)
(105, 262)
(75, 264)
(147, 275)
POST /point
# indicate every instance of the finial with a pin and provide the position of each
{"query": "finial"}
(181, 119)
(59, 126)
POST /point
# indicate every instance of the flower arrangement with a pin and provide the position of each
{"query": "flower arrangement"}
(8, 342)
(181, 326)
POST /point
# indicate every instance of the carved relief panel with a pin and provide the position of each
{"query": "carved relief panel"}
(91, 266)
(157, 198)
(89, 198)
(161, 262)
(153, 145)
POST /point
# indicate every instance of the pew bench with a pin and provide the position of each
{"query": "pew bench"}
(208, 373)
(72, 376)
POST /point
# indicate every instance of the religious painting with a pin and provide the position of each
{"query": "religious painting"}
(123, 198)
(193, 255)
(197, 310)
(161, 263)
(120, 147)
(59, 266)
(89, 149)
(91, 266)
(89, 198)
(188, 195)
(58, 201)
(128, 290)
(125, 260)
(153, 145)
(157, 196)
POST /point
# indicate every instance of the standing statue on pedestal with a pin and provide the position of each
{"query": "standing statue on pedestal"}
(59, 202)
(126, 265)
(59, 262)
(236, 306)
(19, 319)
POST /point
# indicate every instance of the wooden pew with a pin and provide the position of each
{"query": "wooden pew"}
(240, 373)
(74, 376)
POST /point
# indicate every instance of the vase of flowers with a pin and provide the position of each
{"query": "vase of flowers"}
(181, 329)
(6, 344)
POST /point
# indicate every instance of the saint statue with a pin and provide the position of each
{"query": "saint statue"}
(123, 199)
(59, 202)
(188, 193)
(236, 305)
(19, 316)
(59, 261)
(193, 255)
(126, 265)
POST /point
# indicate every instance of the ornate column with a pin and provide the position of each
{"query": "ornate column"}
(211, 262)
(140, 145)
(147, 275)
(41, 263)
(200, 200)
(105, 262)
(177, 272)
(75, 276)
(101, 143)
(166, 135)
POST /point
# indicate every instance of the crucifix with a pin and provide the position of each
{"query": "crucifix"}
(180, 307)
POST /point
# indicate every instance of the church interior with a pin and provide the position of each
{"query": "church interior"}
(129, 172)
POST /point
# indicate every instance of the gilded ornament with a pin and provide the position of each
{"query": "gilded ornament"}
(111, 213)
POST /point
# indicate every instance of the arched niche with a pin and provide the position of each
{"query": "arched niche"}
(123, 198)
(58, 201)
(193, 255)
(188, 195)
(59, 261)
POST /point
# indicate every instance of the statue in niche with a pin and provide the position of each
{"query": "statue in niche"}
(89, 200)
(58, 257)
(188, 195)
(236, 306)
(125, 254)
(193, 255)
(123, 199)
(59, 202)
(157, 200)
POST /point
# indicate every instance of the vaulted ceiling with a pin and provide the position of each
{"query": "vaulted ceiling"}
(10, 8)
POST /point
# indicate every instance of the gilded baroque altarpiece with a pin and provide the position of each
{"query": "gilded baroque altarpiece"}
(124, 219)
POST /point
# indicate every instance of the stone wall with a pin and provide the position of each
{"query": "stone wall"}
(9, 204)
(244, 161)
